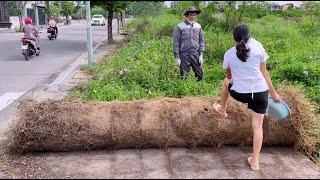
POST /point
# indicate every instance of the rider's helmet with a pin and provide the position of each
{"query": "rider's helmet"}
(28, 20)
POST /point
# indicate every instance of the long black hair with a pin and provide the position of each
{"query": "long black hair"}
(241, 35)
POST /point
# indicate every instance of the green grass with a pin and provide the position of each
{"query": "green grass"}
(145, 67)
(149, 70)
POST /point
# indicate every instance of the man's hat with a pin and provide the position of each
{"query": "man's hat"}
(192, 10)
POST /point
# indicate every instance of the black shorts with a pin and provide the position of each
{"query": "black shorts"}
(258, 104)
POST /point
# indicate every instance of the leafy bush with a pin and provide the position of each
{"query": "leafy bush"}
(55, 10)
(309, 29)
(207, 16)
(291, 13)
(256, 10)
(98, 10)
(79, 13)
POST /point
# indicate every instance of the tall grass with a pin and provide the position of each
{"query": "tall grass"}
(145, 68)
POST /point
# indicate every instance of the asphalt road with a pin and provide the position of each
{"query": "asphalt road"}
(18, 75)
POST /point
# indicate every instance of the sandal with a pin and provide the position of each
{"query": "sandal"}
(216, 107)
(254, 168)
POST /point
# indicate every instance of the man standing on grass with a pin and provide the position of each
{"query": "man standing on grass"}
(188, 44)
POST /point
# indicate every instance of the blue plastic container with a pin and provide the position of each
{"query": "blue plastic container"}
(279, 111)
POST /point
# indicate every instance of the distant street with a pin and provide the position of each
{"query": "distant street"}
(18, 75)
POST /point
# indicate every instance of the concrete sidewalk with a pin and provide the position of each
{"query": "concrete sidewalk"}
(228, 162)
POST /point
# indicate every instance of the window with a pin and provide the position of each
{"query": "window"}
(97, 16)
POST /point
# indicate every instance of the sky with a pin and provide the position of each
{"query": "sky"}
(167, 3)
(296, 3)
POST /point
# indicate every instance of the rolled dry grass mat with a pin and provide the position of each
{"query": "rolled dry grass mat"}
(67, 125)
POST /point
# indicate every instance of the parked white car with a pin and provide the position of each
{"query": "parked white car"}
(98, 19)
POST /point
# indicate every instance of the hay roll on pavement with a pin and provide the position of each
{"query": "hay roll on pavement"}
(162, 122)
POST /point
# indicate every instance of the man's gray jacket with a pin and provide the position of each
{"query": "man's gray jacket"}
(187, 37)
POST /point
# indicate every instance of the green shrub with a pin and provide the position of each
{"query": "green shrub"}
(207, 16)
(292, 13)
(98, 10)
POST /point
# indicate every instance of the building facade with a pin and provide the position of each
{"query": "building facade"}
(36, 11)
(4, 11)
(288, 6)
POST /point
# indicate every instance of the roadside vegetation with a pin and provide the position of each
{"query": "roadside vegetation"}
(144, 68)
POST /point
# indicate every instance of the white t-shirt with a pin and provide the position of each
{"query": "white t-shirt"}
(247, 76)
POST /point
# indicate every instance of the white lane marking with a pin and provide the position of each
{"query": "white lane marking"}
(5, 57)
(8, 98)
(72, 25)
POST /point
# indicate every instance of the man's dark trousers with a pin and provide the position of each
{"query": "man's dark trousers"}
(190, 58)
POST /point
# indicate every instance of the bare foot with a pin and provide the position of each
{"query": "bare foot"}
(253, 167)
(217, 108)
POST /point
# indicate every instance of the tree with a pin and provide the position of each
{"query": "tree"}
(98, 10)
(122, 13)
(13, 8)
(207, 16)
(120, 8)
(16, 8)
(79, 13)
(47, 11)
(233, 14)
(55, 10)
(67, 9)
(110, 6)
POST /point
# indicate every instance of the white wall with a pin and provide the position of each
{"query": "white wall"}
(15, 21)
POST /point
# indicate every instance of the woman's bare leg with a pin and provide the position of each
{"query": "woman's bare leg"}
(224, 97)
(257, 123)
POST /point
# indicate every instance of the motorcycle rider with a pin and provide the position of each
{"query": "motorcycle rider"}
(53, 24)
(30, 32)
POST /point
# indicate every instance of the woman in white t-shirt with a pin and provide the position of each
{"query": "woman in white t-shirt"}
(247, 81)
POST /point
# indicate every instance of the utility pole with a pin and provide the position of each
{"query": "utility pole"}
(36, 15)
(89, 35)
(24, 9)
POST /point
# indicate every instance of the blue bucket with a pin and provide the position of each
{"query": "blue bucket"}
(279, 111)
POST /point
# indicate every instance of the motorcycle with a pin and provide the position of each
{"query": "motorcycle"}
(28, 48)
(52, 33)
